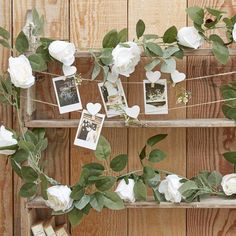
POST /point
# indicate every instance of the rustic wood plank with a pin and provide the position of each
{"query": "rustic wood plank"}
(57, 26)
(90, 20)
(158, 16)
(72, 123)
(205, 146)
(6, 176)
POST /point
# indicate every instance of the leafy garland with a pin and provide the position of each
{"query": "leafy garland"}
(95, 187)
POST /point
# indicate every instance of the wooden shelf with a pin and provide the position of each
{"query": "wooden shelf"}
(217, 122)
(187, 52)
(213, 202)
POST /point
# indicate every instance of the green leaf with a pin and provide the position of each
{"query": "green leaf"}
(215, 12)
(82, 202)
(30, 137)
(75, 217)
(44, 186)
(16, 167)
(77, 192)
(111, 39)
(168, 66)
(86, 209)
(22, 44)
(4, 33)
(103, 150)
(41, 50)
(150, 36)
(113, 201)
(142, 154)
(196, 14)
(221, 52)
(4, 43)
(123, 35)
(179, 54)
(12, 147)
(151, 178)
(37, 62)
(41, 145)
(159, 197)
(105, 184)
(170, 35)
(156, 155)
(188, 188)
(216, 38)
(156, 139)
(140, 190)
(39, 133)
(28, 190)
(168, 52)
(119, 162)
(106, 56)
(96, 70)
(29, 174)
(230, 157)
(154, 48)
(150, 66)
(215, 179)
(20, 156)
(94, 166)
(97, 201)
(140, 28)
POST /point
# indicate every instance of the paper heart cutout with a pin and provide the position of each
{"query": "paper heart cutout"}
(177, 77)
(153, 76)
(69, 70)
(133, 111)
(93, 109)
(112, 76)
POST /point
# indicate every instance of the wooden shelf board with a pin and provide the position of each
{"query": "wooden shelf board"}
(212, 202)
(217, 122)
(187, 52)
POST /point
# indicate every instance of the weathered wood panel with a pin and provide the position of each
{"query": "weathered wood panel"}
(6, 176)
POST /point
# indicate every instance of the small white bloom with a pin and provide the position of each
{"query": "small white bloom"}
(126, 191)
(126, 58)
(63, 52)
(6, 140)
(229, 184)
(189, 37)
(170, 188)
(59, 198)
(234, 32)
(21, 72)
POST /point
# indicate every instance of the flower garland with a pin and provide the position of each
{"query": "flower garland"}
(95, 187)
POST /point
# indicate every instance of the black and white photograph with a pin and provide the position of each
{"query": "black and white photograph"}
(155, 97)
(89, 130)
(67, 93)
(113, 97)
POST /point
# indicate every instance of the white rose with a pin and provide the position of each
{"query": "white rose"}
(189, 37)
(125, 59)
(21, 72)
(6, 140)
(63, 52)
(126, 191)
(229, 184)
(59, 198)
(170, 188)
(234, 32)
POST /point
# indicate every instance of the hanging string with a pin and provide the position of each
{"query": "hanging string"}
(133, 82)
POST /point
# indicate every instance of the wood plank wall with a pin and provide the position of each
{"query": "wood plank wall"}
(189, 150)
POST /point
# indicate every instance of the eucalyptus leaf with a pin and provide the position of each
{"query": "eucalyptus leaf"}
(82, 202)
(119, 162)
(113, 201)
(16, 167)
(156, 139)
(156, 155)
(142, 154)
(20, 156)
(103, 150)
(4, 33)
(28, 190)
(154, 48)
(140, 28)
(75, 217)
(105, 183)
(215, 179)
(230, 157)
(123, 35)
(169, 51)
(110, 40)
(221, 52)
(97, 201)
(4, 43)
(140, 190)
(96, 70)
(150, 66)
(196, 14)
(168, 66)
(37, 62)
(77, 192)
(44, 186)
(22, 44)
(170, 35)
(29, 174)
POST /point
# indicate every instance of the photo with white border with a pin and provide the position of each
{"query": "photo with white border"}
(67, 94)
(113, 96)
(89, 130)
(155, 97)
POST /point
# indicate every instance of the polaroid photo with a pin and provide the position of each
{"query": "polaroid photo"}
(155, 97)
(67, 94)
(89, 130)
(113, 96)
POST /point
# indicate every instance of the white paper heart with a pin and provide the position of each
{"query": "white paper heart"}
(177, 77)
(93, 109)
(153, 76)
(69, 70)
(112, 76)
(133, 111)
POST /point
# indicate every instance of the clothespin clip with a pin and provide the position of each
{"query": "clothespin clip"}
(153, 77)
(93, 109)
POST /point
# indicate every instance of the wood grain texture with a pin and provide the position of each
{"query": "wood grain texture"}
(90, 20)
(6, 176)
(57, 155)
(206, 146)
